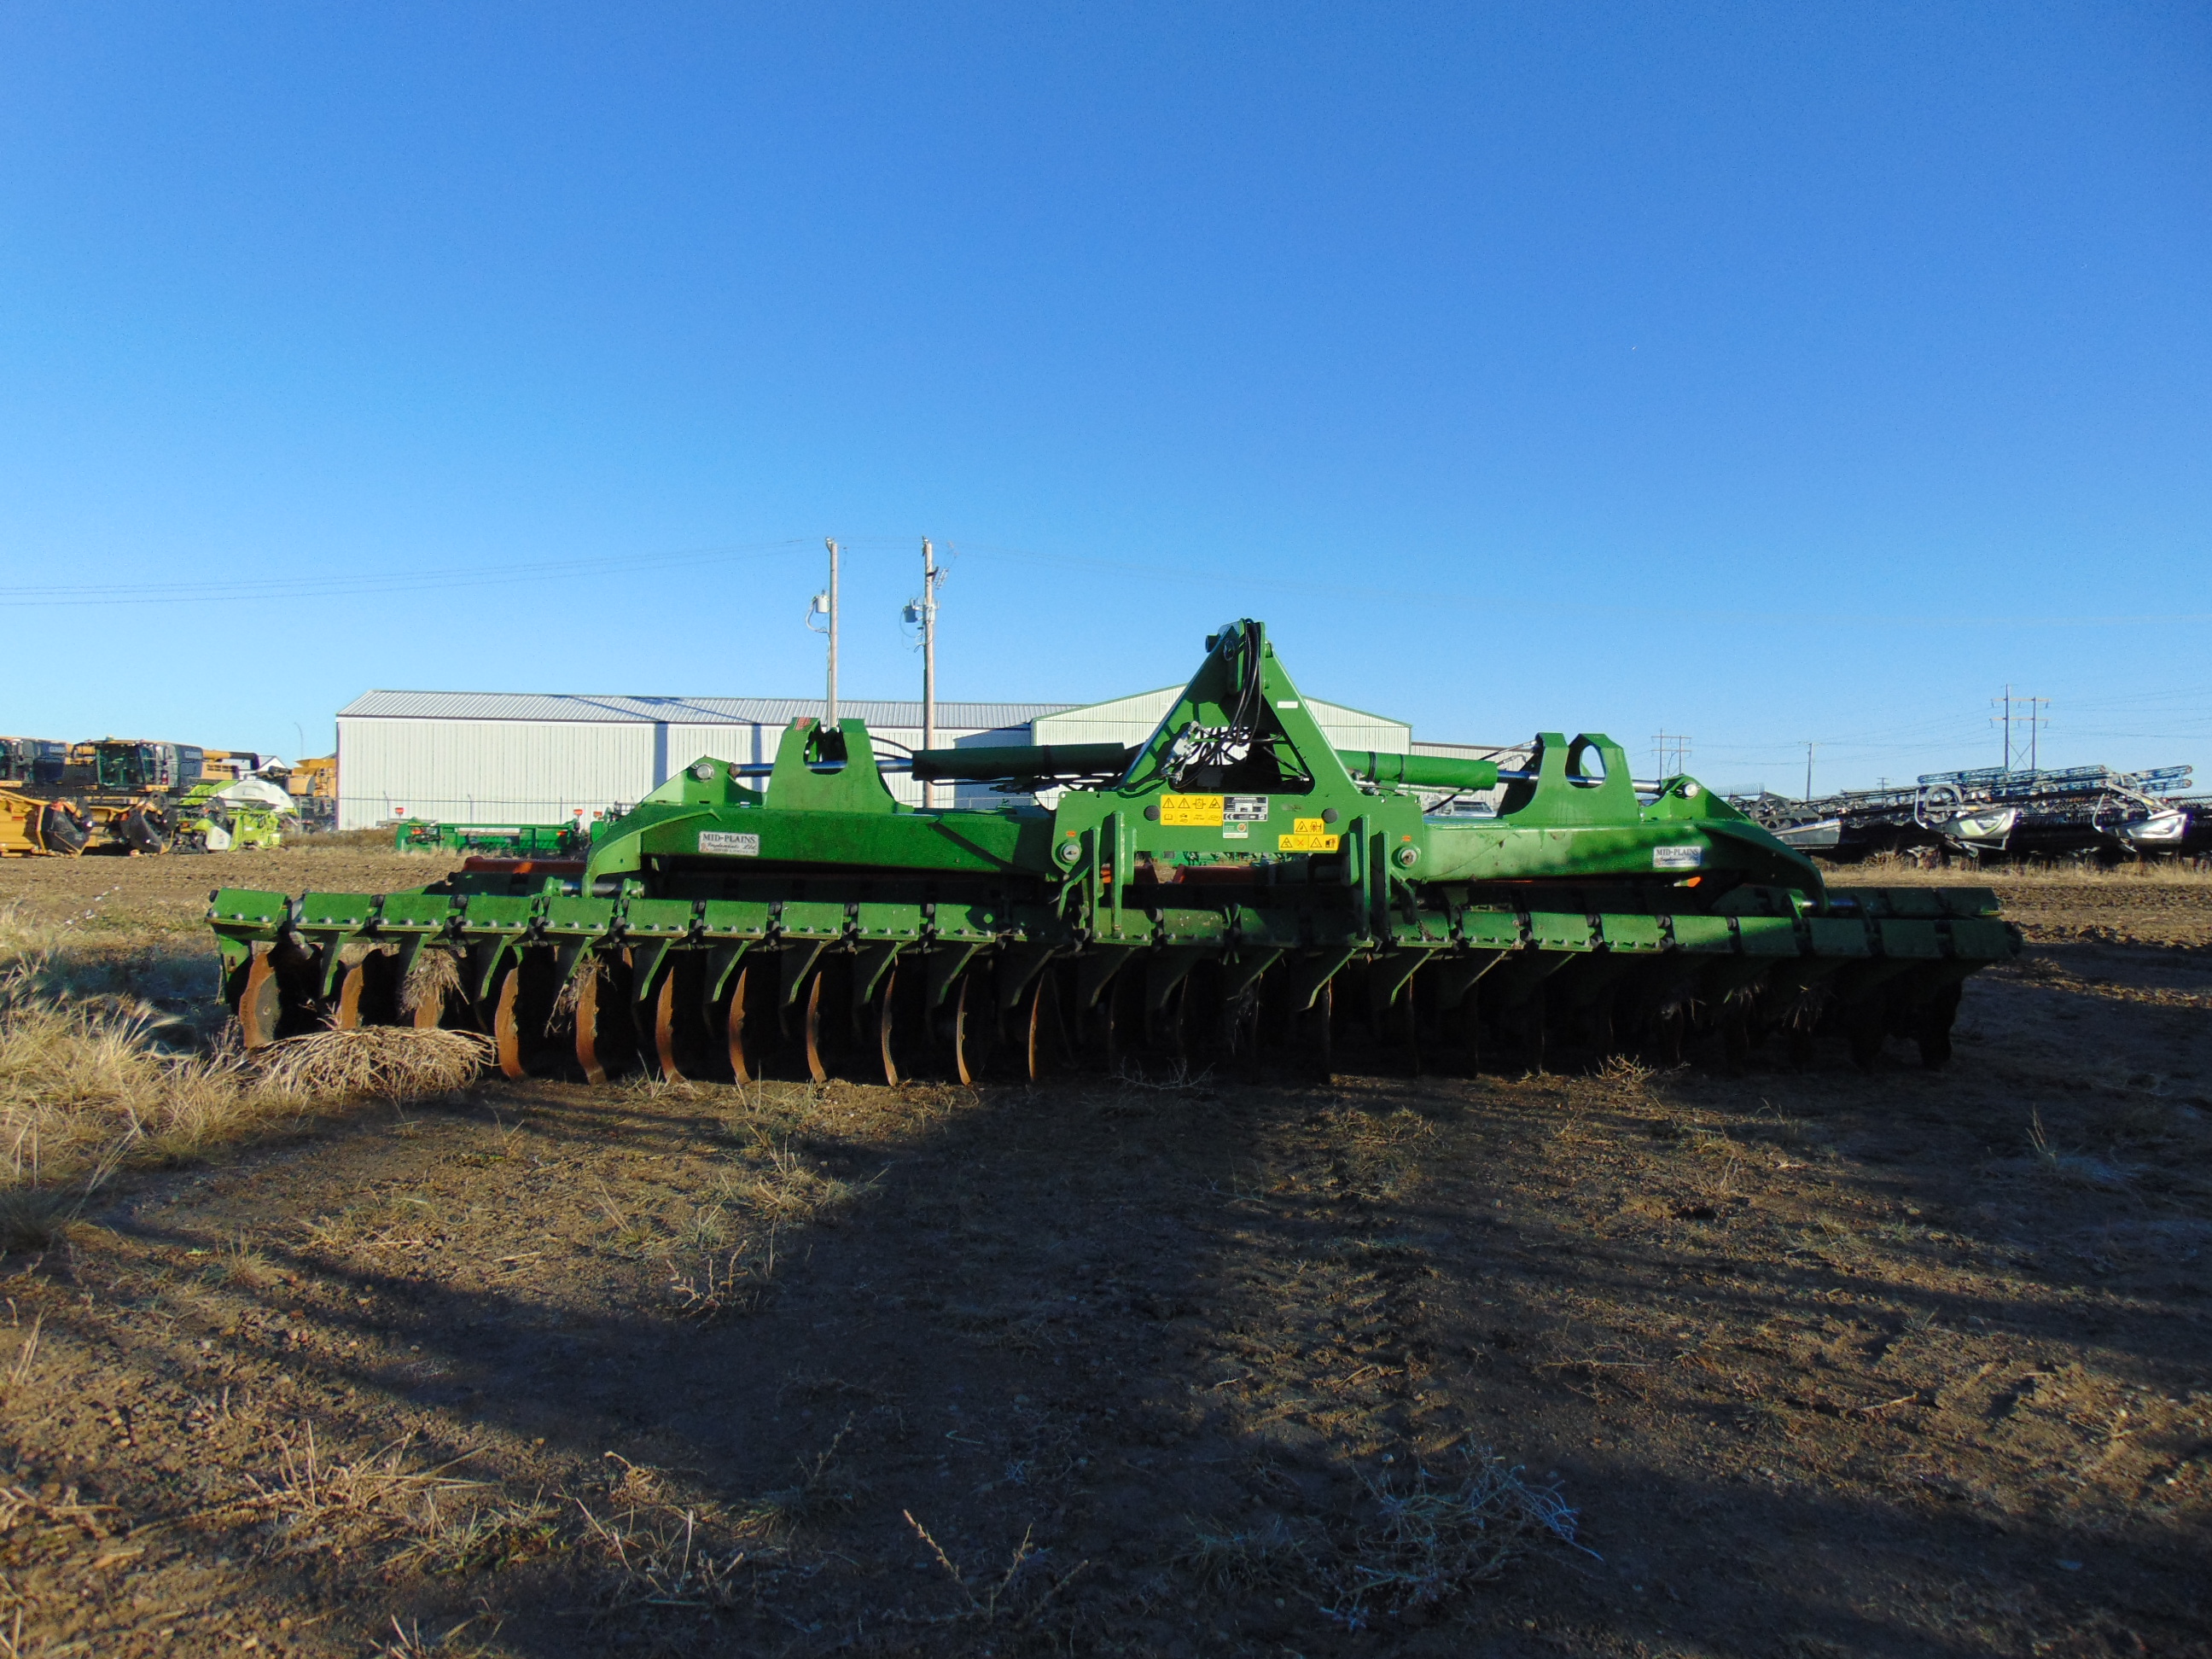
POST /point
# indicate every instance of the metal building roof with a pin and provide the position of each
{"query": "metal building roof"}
(679, 711)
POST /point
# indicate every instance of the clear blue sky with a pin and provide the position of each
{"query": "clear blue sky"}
(1763, 372)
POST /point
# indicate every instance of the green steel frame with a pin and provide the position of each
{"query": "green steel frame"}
(1233, 885)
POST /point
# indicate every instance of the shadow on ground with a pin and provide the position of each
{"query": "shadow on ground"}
(1826, 1364)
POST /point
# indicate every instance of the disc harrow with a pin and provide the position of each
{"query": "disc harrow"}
(1233, 891)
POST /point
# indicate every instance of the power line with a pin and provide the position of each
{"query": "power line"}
(448, 577)
(235, 590)
(1673, 743)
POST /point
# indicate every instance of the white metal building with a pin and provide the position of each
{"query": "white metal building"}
(496, 757)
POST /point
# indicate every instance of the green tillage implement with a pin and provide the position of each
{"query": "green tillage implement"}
(1234, 886)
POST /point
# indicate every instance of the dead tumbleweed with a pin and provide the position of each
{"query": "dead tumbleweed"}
(383, 1062)
(1419, 1539)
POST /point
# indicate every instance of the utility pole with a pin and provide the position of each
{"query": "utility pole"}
(2030, 720)
(1810, 747)
(1662, 742)
(922, 613)
(929, 579)
(825, 605)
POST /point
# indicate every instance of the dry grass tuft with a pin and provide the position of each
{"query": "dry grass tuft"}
(1624, 1072)
(430, 977)
(1436, 1536)
(409, 1642)
(826, 1484)
(90, 1077)
(779, 1186)
(658, 1552)
(563, 1015)
(1011, 1593)
(1176, 1078)
(36, 1218)
(2072, 1169)
(741, 1281)
(84, 1081)
(244, 1265)
(421, 1518)
(20, 1503)
(1418, 1543)
(380, 1062)
(1224, 1557)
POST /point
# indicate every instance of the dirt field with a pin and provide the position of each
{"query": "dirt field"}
(1822, 1363)
(2150, 905)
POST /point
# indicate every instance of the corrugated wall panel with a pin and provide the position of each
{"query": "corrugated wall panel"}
(741, 746)
(469, 771)
(487, 771)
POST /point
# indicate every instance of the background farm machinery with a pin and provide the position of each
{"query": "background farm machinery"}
(514, 841)
(129, 795)
(2080, 811)
(33, 820)
(220, 818)
(1232, 887)
(57, 799)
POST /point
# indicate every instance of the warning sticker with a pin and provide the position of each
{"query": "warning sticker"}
(1677, 857)
(1191, 812)
(727, 843)
(1303, 842)
(1244, 809)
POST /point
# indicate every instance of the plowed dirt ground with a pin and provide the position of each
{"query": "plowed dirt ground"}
(1826, 1363)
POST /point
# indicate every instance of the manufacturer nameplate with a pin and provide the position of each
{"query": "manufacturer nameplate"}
(729, 843)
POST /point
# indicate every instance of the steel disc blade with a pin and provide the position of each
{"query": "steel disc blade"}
(743, 1065)
(1317, 1034)
(972, 1018)
(588, 997)
(886, 1012)
(261, 1006)
(664, 1028)
(347, 1014)
(817, 1066)
(1044, 1041)
(507, 1029)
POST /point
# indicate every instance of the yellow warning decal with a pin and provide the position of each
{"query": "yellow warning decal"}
(1305, 843)
(1310, 826)
(1191, 812)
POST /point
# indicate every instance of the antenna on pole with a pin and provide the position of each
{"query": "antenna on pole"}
(921, 613)
(825, 605)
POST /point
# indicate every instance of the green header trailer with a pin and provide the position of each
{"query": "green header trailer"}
(514, 841)
(1234, 889)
